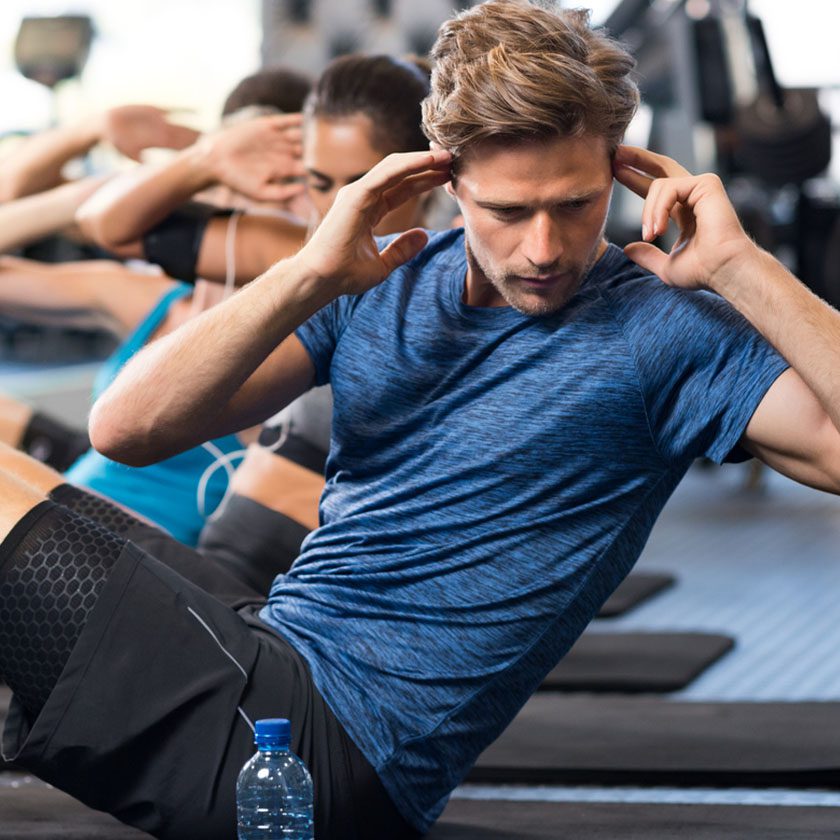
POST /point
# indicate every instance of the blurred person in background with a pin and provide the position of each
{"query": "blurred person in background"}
(135, 305)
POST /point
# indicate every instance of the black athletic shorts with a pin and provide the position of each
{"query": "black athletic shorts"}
(151, 717)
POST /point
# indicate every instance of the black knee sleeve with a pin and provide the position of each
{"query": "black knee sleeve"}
(53, 442)
(53, 566)
(101, 511)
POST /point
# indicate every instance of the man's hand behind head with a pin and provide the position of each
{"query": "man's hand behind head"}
(711, 240)
(343, 250)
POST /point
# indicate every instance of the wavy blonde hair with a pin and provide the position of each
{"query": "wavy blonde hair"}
(514, 70)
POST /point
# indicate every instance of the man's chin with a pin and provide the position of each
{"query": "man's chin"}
(536, 303)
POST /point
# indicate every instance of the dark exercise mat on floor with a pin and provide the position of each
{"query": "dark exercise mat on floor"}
(466, 819)
(34, 811)
(633, 590)
(636, 662)
(599, 739)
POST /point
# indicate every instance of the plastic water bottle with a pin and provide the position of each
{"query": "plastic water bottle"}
(274, 788)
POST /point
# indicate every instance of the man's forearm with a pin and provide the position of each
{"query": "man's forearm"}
(801, 326)
(188, 386)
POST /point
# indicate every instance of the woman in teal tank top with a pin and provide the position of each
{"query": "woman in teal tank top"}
(167, 493)
(179, 493)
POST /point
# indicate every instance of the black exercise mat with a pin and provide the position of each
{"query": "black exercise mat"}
(34, 811)
(633, 590)
(482, 820)
(591, 739)
(636, 662)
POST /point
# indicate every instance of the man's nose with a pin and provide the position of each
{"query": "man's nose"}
(543, 245)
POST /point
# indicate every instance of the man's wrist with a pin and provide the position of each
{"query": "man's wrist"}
(742, 261)
(295, 278)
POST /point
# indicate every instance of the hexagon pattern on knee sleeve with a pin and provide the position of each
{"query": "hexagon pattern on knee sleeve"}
(94, 507)
(48, 589)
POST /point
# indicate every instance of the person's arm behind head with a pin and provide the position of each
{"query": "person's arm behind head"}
(149, 206)
(256, 158)
(28, 219)
(38, 163)
(239, 363)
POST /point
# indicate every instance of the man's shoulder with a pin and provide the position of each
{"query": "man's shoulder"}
(629, 288)
(616, 275)
(650, 312)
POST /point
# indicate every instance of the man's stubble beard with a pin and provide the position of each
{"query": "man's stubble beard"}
(534, 304)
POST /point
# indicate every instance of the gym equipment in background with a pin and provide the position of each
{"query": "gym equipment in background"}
(716, 104)
(52, 49)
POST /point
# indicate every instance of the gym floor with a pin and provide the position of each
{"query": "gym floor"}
(758, 564)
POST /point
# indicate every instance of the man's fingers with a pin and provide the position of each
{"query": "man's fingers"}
(668, 198)
(648, 162)
(414, 185)
(396, 168)
(634, 180)
(649, 257)
(406, 246)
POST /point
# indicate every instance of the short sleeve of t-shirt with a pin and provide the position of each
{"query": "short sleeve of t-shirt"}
(320, 334)
(703, 368)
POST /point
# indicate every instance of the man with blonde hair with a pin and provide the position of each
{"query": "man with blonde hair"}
(514, 403)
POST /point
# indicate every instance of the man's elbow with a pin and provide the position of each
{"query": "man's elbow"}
(110, 437)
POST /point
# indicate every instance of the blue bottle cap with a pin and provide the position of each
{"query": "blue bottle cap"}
(273, 732)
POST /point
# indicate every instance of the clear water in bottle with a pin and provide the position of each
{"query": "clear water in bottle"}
(274, 789)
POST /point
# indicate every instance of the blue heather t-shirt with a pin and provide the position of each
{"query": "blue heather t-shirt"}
(493, 477)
